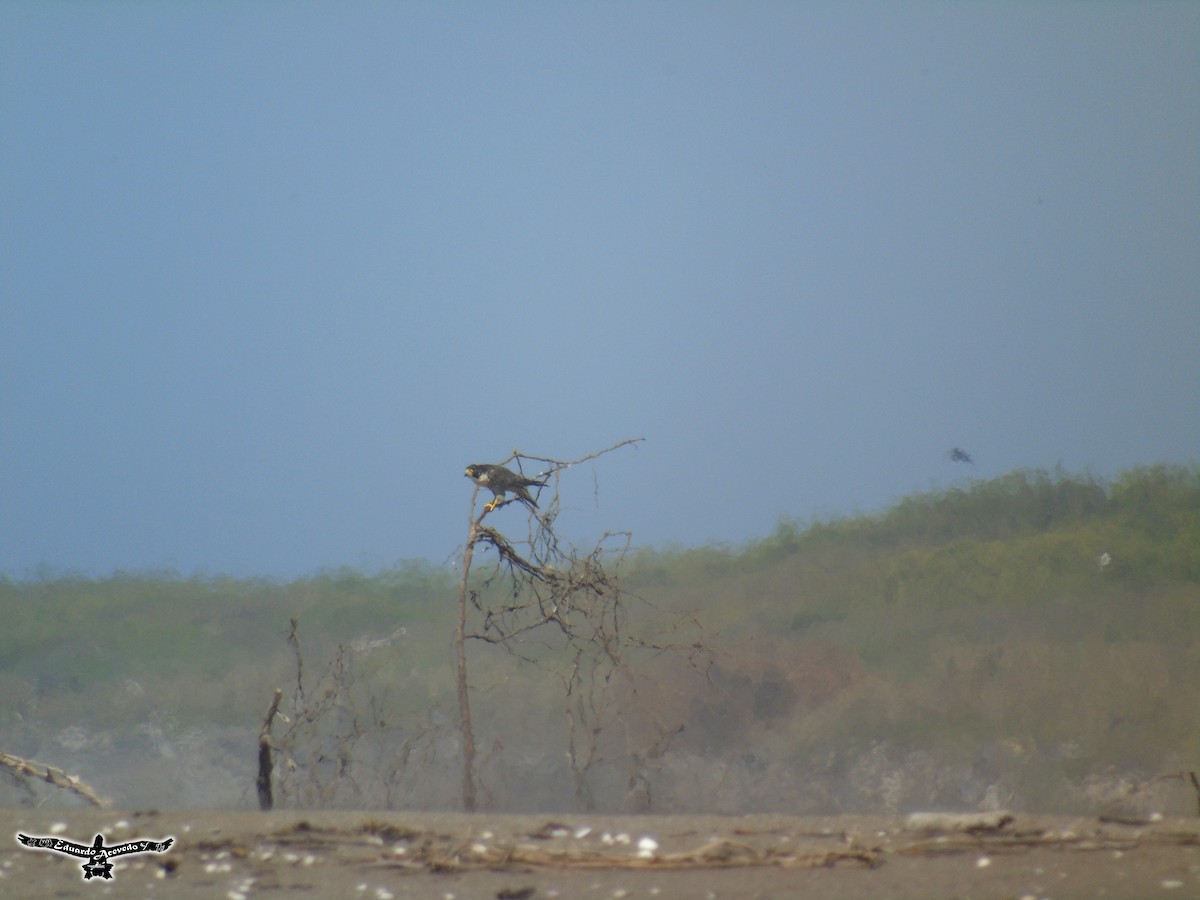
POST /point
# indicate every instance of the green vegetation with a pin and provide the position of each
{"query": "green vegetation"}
(1053, 616)
(1027, 632)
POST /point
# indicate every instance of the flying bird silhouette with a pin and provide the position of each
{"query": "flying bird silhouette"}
(958, 454)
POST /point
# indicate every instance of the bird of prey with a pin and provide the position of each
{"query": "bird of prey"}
(501, 481)
(958, 454)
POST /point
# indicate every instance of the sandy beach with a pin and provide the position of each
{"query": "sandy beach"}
(382, 856)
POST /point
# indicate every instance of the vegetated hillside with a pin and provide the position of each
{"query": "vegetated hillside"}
(1031, 641)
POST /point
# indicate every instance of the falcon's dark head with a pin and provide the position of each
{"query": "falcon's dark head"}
(478, 472)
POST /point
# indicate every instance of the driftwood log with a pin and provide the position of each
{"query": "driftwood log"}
(51, 775)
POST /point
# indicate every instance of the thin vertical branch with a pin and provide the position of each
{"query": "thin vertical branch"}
(460, 653)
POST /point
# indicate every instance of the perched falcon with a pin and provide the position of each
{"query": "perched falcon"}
(501, 481)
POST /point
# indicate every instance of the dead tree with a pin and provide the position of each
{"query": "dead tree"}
(541, 585)
(265, 761)
(315, 759)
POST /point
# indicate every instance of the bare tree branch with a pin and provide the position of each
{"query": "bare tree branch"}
(558, 464)
(562, 609)
(52, 775)
(546, 584)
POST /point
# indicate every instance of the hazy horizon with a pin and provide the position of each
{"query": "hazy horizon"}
(274, 275)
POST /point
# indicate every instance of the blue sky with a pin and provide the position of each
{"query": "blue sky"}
(272, 274)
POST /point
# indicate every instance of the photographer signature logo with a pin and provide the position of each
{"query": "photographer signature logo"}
(98, 855)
